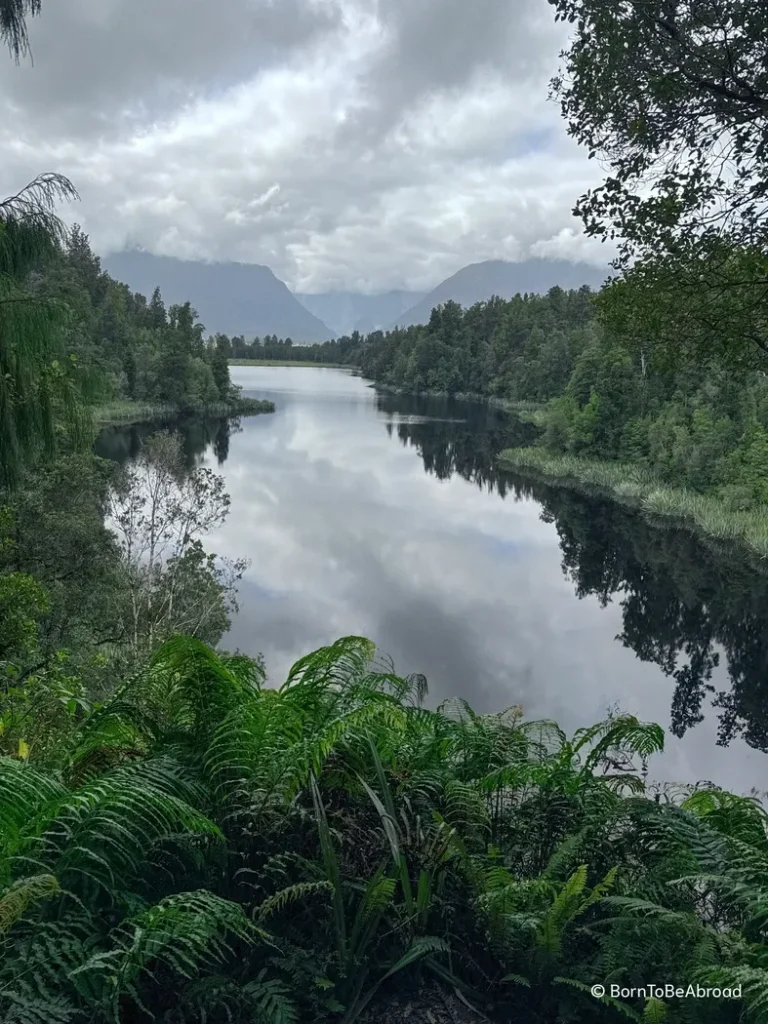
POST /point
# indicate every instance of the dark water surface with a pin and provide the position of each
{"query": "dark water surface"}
(384, 516)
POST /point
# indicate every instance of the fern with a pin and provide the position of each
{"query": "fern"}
(375, 838)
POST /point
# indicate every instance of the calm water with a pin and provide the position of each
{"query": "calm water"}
(384, 516)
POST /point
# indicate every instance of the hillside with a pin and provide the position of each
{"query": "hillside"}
(231, 298)
(346, 312)
(479, 281)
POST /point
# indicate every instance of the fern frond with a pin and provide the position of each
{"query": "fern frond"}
(24, 893)
(292, 894)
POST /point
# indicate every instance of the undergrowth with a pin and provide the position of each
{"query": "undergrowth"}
(200, 847)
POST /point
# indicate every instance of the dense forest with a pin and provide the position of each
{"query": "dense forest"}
(180, 841)
(129, 348)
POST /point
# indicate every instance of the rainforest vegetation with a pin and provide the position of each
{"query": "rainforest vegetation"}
(180, 841)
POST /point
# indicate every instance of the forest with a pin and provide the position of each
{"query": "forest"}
(184, 840)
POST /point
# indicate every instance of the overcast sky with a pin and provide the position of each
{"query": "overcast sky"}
(352, 144)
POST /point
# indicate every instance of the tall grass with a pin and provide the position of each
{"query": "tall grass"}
(632, 485)
(122, 412)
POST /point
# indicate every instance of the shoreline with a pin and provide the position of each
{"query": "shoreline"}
(708, 516)
(523, 409)
(289, 362)
(124, 414)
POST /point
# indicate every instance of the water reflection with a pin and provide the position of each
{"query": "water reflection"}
(122, 444)
(456, 437)
(684, 604)
(381, 515)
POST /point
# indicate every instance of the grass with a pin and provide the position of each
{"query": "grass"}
(704, 514)
(123, 413)
(286, 362)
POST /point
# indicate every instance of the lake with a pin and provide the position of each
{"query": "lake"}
(384, 516)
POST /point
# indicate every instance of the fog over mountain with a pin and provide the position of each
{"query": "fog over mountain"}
(346, 312)
(233, 298)
(480, 281)
(248, 299)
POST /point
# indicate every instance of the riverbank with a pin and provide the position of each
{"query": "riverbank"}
(288, 362)
(708, 515)
(122, 413)
(531, 411)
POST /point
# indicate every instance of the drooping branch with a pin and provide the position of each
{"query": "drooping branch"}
(13, 24)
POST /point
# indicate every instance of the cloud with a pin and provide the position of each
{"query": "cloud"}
(359, 144)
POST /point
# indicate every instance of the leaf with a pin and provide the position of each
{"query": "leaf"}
(517, 979)
(655, 1011)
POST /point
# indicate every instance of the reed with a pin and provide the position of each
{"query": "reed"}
(706, 514)
(123, 413)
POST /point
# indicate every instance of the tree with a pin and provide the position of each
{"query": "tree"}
(160, 511)
(36, 383)
(156, 311)
(220, 366)
(672, 96)
(13, 24)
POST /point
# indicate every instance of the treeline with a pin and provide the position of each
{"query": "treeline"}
(128, 346)
(698, 422)
(341, 351)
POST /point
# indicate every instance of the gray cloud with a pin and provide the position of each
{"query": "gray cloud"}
(345, 143)
(105, 66)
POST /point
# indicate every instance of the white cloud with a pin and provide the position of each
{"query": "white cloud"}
(361, 144)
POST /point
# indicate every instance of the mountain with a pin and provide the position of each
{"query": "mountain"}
(479, 281)
(231, 298)
(346, 312)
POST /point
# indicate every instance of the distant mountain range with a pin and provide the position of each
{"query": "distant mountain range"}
(346, 312)
(231, 298)
(247, 299)
(479, 281)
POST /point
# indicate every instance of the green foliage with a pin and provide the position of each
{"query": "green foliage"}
(133, 350)
(13, 24)
(204, 847)
(38, 395)
(654, 89)
(693, 422)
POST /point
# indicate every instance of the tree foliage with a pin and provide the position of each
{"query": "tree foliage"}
(13, 24)
(38, 395)
(133, 349)
(672, 97)
(199, 846)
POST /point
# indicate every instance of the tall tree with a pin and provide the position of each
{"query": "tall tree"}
(36, 387)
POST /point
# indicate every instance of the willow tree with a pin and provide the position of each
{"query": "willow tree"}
(38, 398)
(13, 24)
